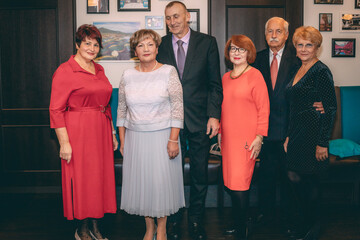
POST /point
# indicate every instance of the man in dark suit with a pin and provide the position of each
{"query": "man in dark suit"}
(195, 55)
(278, 65)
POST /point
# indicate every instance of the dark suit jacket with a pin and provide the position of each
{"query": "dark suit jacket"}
(201, 81)
(279, 112)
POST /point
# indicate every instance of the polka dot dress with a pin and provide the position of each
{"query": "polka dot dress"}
(308, 127)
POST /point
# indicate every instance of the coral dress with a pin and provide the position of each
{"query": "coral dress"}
(245, 113)
(88, 181)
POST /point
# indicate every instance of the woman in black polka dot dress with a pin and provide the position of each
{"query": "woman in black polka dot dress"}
(309, 130)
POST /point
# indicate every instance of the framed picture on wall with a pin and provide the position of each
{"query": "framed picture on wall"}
(343, 47)
(349, 22)
(154, 22)
(194, 23)
(134, 5)
(328, 1)
(116, 40)
(325, 22)
(357, 3)
(97, 6)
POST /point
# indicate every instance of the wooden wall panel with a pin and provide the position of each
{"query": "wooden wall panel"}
(37, 37)
(254, 26)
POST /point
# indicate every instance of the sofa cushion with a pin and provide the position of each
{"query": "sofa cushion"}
(350, 115)
(344, 148)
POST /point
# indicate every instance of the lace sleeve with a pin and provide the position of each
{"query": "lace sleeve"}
(122, 108)
(176, 100)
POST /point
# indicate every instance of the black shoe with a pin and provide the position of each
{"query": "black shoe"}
(242, 233)
(197, 232)
(230, 232)
(263, 220)
(173, 231)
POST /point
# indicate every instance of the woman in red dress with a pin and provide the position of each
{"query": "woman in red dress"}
(81, 116)
(244, 123)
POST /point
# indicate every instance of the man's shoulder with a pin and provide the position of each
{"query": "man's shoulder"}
(262, 53)
(200, 35)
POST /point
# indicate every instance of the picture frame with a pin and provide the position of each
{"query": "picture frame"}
(97, 6)
(343, 47)
(357, 3)
(194, 22)
(134, 5)
(325, 22)
(329, 2)
(154, 22)
(349, 22)
(116, 41)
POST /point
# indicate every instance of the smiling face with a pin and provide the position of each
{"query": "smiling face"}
(305, 50)
(238, 56)
(276, 34)
(88, 49)
(146, 50)
(177, 19)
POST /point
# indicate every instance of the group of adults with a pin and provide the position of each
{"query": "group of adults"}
(276, 105)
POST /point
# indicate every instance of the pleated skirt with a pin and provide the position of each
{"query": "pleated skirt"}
(152, 184)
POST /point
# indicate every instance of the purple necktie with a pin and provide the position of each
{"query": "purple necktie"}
(180, 58)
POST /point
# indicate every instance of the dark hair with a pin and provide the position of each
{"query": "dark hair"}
(241, 41)
(143, 34)
(170, 4)
(90, 31)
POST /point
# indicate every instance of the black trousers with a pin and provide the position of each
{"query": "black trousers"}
(196, 146)
(271, 171)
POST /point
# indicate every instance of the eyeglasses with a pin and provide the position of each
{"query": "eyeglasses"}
(307, 46)
(234, 49)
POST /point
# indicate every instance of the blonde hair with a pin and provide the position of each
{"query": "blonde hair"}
(143, 34)
(308, 33)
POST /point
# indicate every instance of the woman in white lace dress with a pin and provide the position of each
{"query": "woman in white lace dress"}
(150, 115)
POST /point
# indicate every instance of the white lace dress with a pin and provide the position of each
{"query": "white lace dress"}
(150, 103)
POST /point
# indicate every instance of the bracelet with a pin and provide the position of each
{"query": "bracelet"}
(114, 132)
(173, 141)
(260, 136)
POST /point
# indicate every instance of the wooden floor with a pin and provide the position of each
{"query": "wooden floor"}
(40, 218)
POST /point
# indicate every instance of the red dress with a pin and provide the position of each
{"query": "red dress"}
(244, 113)
(88, 181)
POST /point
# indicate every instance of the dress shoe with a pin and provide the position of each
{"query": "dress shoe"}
(197, 232)
(77, 236)
(230, 232)
(263, 219)
(94, 237)
(173, 231)
(312, 234)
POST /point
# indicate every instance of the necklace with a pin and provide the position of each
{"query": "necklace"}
(156, 62)
(239, 74)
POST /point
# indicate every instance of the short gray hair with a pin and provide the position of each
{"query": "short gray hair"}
(286, 24)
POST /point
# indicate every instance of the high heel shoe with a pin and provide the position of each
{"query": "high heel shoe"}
(94, 237)
(77, 237)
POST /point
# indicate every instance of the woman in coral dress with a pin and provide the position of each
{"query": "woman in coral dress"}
(81, 116)
(244, 123)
